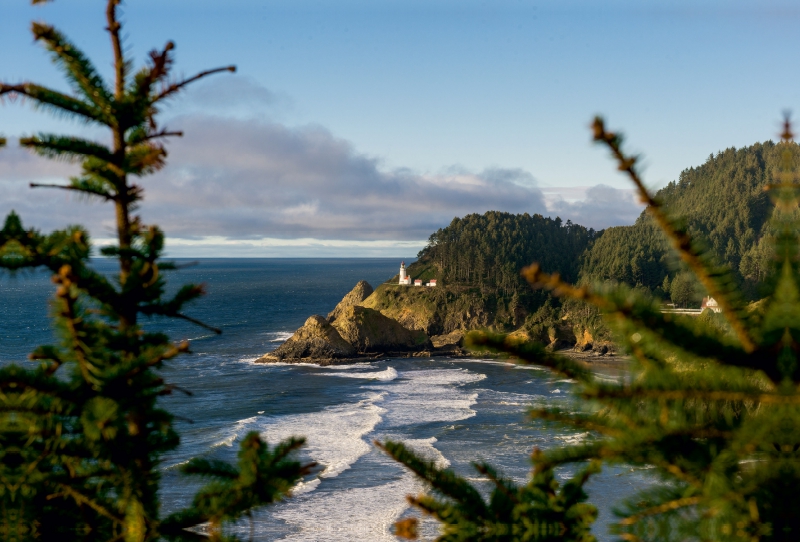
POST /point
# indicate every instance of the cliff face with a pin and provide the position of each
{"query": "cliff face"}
(355, 331)
(397, 318)
(317, 339)
(435, 311)
(356, 296)
(370, 331)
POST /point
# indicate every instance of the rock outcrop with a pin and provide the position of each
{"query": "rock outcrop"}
(356, 296)
(316, 340)
(436, 311)
(399, 319)
(452, 339)
(367, 330)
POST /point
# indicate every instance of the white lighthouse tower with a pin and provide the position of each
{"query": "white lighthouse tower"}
(404, 279)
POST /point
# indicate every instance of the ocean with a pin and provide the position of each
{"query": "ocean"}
(452, 411)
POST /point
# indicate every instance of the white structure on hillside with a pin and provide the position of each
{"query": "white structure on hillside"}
(711, 304)
(404, 279)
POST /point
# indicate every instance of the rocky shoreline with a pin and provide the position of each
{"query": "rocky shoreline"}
(353, 332)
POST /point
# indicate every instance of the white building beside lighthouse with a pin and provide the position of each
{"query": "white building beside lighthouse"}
(404, 279)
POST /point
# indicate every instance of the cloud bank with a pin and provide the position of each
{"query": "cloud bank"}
(598, 206)
(234, 183)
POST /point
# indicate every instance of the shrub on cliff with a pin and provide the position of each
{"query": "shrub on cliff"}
(713, 410)
(81, 433)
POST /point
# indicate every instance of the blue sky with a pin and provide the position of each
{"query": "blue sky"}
(359, 127)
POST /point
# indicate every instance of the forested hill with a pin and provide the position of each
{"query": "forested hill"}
(489, 250)
(722, 201)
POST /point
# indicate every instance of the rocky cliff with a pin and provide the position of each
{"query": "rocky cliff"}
(356, 296)
(350, 331)
(316, 340)
(370, 331)
(422, 320)
(436, 311)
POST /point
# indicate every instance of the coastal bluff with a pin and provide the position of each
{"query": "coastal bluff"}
(405, 321)
(351, 331)
(316, 340)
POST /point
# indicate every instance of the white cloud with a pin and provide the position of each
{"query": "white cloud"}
(599, 206)
(235, 186)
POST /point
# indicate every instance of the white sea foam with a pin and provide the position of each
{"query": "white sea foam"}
(175, 465)
(227, 441)
(280, 336)
(347, 367)
(282, 364)
(305, 487)
(202, 337)
(251, 360)
(486, 362)
(433, 395)
(386, 375)
(425, 449)
(238, 430)
(364, 513)
(334, 436)
(510, 398)
(577, 438)
(532, 367)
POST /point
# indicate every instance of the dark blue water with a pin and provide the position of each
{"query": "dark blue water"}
(452, 411)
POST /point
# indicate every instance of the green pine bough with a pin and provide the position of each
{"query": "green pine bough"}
(81, 432)
(711, 406)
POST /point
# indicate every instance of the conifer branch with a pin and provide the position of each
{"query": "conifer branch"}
(196, 322)
(159, 68)
(661, 508)
(504, 486)
(120, 65)
(444, 481)
(173, 351)
(74, 149)
(160, 134)
(630, 311)
(83, 499)
(684, 393)
(176, 87)
(576, 421)
(58, 102)
(681, 241)
(528, 352)
(76, 67)
(106, 196)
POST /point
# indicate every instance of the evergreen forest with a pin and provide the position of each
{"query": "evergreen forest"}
(723, 203)
(489, 250)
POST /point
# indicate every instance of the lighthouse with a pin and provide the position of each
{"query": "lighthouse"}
(404, 279)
